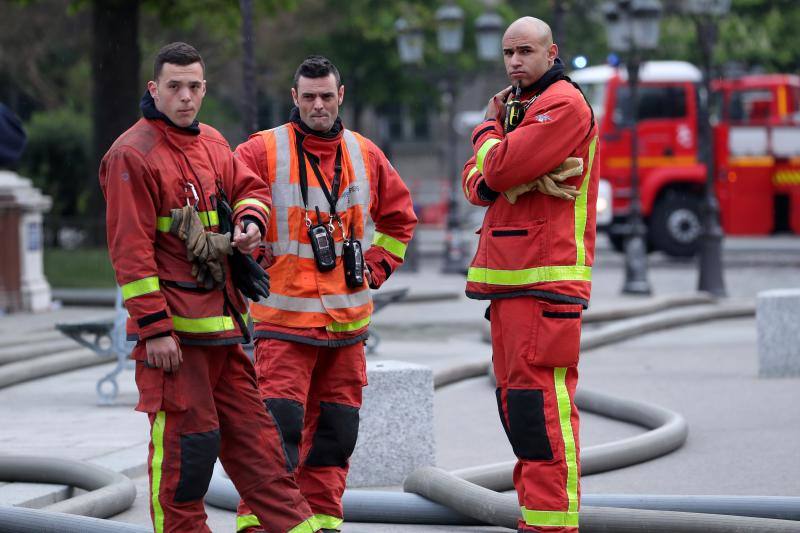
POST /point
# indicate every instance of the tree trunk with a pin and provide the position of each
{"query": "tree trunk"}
(115, 83)
(249, 102)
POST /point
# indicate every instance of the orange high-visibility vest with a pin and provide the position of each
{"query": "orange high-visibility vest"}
(300, 295)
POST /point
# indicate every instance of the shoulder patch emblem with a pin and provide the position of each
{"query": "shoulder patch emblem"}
(543, 118)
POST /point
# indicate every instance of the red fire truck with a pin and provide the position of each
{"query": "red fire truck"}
(756, 152)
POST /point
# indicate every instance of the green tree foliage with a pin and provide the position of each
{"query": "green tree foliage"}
(57, 158)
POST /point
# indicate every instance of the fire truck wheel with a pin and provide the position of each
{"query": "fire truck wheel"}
(676, 223)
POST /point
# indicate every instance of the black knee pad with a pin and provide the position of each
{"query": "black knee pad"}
(335, 438)
(288, 416)
(199, 452)
(526, 425)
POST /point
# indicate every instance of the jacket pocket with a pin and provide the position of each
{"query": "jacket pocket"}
(556, 335)
(515, 247)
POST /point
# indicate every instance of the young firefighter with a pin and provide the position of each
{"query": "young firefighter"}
(533, 168)
(161, 180)
(329, 185)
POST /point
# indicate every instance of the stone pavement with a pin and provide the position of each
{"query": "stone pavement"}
(742, 429)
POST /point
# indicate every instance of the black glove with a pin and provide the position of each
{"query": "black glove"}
(485, 193)
(248, 276)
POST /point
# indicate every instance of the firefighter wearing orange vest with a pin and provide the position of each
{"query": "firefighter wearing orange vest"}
(533, 168)
(195, 382)
(333, 190)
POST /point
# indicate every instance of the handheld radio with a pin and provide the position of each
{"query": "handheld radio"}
(322, 245)
(514, 110)
(353, 262)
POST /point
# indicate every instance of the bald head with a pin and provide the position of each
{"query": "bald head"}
(528, 50)
(532, 28)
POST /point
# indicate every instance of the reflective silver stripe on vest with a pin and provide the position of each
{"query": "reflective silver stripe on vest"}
(299, 249)
(315, 305)
(283, 169)
(360, 189)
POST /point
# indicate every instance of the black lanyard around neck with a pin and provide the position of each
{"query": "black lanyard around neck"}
(332, 194)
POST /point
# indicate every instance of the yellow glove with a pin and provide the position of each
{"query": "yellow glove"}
(550, 183)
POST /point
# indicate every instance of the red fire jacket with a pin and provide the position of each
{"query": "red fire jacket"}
(541, 245)
(151, 169)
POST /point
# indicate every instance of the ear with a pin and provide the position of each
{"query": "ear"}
(552, 53)
(152, 87)
(341, 94)
(294, 97)
(204, 89)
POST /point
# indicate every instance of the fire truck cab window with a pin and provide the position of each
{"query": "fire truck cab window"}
(654, 103)
(750, 106)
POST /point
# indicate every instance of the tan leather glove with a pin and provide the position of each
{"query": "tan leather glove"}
(551, 183)
(206, 250)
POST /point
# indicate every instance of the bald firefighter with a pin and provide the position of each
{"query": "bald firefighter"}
(533, 168)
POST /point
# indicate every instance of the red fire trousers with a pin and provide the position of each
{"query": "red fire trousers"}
(313, 393)
(209, 407)
(535, 345)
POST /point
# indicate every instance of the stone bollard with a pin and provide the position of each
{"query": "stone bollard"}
(396, 429)
(777, 319)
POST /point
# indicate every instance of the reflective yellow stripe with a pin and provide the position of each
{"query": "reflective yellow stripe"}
(306, 526)
(139, 287)
(339, 327)
(482, 151)
(157, 439)
(472, 172)
(529, 275)
(252, 201)
(208, 218)
(549, 518)
(245, 521)
(389, 244)
(328, 522)
(211, 324)
(650, 162)
(786, 177)
(580, 209)
(570, 449)
(752, 161)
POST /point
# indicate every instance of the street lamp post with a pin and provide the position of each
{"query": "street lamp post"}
(710, 277)
(632, 27)
(450, 37)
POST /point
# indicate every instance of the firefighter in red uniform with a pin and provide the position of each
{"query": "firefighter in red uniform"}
(534, 263)
(330, 186)
(195, 382)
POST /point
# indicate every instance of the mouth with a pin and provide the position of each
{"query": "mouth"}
(517, 74)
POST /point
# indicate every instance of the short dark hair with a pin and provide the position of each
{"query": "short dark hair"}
(178, 54)
(317, 67)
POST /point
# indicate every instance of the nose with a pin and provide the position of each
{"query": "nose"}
(318, 104)
(516, 60)
(185, 94)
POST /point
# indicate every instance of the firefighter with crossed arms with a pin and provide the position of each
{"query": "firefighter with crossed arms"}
(329, 187)
(533, 168)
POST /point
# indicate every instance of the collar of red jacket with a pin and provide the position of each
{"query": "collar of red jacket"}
(334, 133)
(556, 73)
(150, 112)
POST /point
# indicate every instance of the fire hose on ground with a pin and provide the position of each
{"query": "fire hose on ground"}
(468, 496)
